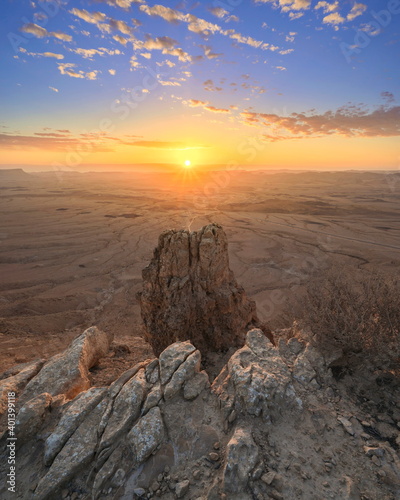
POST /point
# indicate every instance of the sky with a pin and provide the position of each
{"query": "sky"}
(111, 84)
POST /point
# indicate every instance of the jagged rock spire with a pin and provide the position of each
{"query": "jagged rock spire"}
(190, 293)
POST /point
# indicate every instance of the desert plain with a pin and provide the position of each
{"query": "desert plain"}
(73, 245)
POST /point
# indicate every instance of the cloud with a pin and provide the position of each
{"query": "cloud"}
(168, 83)
(210, 87)
(388, 97)
(334, 18)
(112, 71)
(101, 51)
(195, 103)
(167, 62)
(120, 39)
(288, 5)
(295, 15)
(53, 142)
(166, 44)
(124, 4)
(347, 121)
(218, 11)
(103, 22)
(327, 7)
(208, 52)
(39, 32)
(53, 89)
(134, 63)
(41, 54)
(201, 26)
(357, 10)
(159, 43)
(281, 68)
(67, 69)
(217, 110)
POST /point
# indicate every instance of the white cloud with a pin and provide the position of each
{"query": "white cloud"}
(357, 10)
(40, 32)
(327, 7)
(334, 18)
(68, 69)
(53, 89)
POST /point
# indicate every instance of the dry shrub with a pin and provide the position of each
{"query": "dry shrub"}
(359, 314)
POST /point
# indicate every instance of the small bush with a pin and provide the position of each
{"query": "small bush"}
(360, 315)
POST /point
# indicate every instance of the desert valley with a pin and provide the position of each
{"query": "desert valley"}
(73, 245)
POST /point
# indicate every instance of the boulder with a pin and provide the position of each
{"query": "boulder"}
(241, 458)
(257, 379)
(67, 373)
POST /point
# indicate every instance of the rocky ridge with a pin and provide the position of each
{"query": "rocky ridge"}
(272, 425)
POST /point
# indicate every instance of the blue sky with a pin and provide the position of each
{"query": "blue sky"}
(201, 77)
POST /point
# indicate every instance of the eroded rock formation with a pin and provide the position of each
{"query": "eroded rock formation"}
(190, 293)
(266, 428)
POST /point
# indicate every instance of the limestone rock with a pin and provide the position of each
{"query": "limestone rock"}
(182, 488)
(189, 292)
(67, 373)
(194, 386)
(17, 380)
(126, 408)
(153, 398)
(71, 418)
(31, 417)
(241, 458)
(75, 455)
(185, 372)
(146, 435)
(303, 372)
(172, 357)
(257, 378)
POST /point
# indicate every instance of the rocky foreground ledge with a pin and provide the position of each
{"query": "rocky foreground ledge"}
(272, 425)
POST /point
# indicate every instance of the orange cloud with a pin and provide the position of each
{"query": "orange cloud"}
(347, 121)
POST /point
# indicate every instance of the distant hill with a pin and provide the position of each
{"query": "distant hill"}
(14, 174)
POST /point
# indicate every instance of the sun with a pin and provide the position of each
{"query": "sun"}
(188, 163)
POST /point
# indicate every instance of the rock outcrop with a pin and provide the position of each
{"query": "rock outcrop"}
(190, 293)
(161, 431)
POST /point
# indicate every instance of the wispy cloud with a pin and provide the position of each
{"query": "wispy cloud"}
(195, 103)
(347, 121)
(103, 22)
(39, 32)
(68, 69)
(41, 54)
(201, 26)
(101, 51)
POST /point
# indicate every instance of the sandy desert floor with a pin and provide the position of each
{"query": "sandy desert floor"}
(72, 246)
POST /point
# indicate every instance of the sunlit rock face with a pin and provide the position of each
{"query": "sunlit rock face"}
(190, 293)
